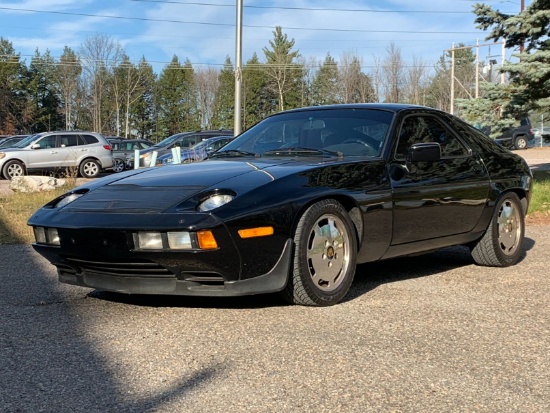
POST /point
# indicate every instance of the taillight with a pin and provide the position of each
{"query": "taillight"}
(108, 147)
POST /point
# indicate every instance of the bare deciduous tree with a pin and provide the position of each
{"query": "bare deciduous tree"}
(416, 82)
(393, 74)
(68, 74)
(99, 55)
(207, 84)
(281, 67)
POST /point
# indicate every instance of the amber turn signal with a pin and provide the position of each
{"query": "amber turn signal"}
(256, 232)
(206, 240)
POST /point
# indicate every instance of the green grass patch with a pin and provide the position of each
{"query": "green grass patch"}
(540, 201)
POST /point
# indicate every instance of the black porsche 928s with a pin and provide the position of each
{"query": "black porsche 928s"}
(292, 205)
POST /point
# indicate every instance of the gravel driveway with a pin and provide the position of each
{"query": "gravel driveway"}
(432, 333)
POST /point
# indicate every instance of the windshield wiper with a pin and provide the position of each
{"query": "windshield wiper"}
(301, 151)
(233, 152)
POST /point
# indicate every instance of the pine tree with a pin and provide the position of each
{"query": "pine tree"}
(529, 79)
(175, 99)
(325, 83)
(142, 112)
(224, 104)
(43, 94)
(529, 31)
(12, 70)
(281, 68)
(258, 99)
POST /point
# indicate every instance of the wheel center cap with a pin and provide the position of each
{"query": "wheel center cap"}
(330, 252)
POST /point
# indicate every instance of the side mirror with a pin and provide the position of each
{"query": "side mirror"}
(35, 146)
(424, 152)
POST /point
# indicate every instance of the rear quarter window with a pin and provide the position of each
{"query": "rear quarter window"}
(89, 139)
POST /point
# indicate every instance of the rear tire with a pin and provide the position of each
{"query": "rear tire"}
(325, 249)
(90, 168)
(521, 142)
(502, 243)
(13, 168)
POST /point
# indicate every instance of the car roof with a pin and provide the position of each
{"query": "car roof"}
(394, 107)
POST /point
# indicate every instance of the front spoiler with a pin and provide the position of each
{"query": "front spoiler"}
(273, 281)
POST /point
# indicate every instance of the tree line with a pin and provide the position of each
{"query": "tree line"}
(98, 87)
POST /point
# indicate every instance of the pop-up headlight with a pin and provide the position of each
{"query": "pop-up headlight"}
(215, 201)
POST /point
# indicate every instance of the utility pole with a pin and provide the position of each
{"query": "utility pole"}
(238, 69)
(477, 68)
(451, 111)
(522, 7)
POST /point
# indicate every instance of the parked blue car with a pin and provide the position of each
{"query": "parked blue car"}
(198, 152)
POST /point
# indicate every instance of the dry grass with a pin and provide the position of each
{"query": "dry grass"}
(16, 209)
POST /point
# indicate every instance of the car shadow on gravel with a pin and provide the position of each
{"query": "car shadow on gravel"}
(367, 277)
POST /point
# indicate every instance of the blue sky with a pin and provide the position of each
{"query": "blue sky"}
(204, 30)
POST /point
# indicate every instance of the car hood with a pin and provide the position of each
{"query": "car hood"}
(153, 190)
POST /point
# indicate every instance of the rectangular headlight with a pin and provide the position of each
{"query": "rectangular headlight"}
(149, 240)
(53, 236)
(40, 235)
(179, 240)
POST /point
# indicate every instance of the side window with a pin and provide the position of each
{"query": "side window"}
(89, 139)
(47, 142)
(218, 144)
(188, 141)
(68, 140)
(423, 129)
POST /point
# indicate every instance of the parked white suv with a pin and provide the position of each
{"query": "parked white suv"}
(69, 152)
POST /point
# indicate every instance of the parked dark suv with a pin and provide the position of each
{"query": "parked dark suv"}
(519, 136)
(185, 140)
(125, 148)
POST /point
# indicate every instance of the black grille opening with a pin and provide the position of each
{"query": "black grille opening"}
(204, 278)
(136, 268)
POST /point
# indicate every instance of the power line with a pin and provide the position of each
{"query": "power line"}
(255, 66)
(302, 8)
(232, 25)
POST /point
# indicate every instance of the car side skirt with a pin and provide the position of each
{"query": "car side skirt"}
(431, 244)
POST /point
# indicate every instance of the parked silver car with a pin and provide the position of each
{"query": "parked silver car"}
(69, 152)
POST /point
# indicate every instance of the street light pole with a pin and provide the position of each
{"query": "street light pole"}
(238, 69)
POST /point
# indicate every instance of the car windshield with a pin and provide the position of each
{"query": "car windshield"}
(26, 142)
(358, 132)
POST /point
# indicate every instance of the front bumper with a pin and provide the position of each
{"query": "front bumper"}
(192, 284)
(107, 260)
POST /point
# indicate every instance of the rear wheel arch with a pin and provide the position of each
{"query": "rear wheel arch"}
(86, 170)
(502, 243)
(521, 141)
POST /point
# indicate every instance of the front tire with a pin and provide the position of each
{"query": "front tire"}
(90, 168)
(13, 168)
(325, 249)
(119, 165)
(502, 243)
